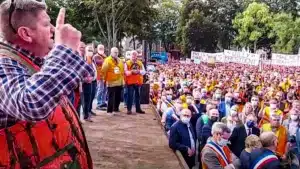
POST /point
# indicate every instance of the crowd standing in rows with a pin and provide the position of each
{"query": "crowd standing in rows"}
(239, 116)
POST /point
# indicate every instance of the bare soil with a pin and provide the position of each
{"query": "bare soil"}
(129, 142)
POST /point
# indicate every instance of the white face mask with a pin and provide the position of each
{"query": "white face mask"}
(223, 142)
(89, 53)
(189, 101)
(185, 120)
(273, 106)
(218, 96)
(254, 103)
(294, 117)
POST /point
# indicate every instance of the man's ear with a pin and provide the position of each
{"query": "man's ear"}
(25, 34)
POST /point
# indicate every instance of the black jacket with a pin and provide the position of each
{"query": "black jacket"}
(238, 138)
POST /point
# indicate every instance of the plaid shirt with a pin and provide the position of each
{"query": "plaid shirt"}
(33, 98)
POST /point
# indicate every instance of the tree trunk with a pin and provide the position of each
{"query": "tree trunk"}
(133, 38)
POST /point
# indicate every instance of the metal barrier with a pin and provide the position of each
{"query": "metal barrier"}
(177, 153)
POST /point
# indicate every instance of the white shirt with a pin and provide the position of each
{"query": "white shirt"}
(193, 145)
(248, 129)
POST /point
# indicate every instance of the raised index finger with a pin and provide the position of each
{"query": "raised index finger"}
(61, 17)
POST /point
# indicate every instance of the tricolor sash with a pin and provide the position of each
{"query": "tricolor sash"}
(262, 160)
(219, 151)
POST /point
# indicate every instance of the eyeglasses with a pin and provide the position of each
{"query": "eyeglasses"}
(12, 8)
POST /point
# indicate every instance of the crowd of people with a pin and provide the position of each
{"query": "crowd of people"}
(230, 115)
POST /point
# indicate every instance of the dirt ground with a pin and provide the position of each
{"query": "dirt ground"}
(129, 142)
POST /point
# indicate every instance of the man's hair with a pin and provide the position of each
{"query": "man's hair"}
(267, 139)
(219, 128)
(25, 14)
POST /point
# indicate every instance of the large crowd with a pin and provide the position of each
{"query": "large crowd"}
(230, 115)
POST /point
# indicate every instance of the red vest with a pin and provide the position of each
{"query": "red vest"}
(58, 142)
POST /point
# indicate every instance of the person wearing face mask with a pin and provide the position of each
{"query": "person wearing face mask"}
(113, 75)
(266, 112)
(134, 71)
(265, 157)
(255, 104)
(216, 154)
(172, 115)
(203, 127)
(218, 95)
(101, 89)
(240, 133)
(88, 87)
(225, 106)
(280, 132)
(281, 104)
(183, 138)
(292, 125)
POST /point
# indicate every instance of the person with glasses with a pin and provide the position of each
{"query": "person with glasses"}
(39, 68)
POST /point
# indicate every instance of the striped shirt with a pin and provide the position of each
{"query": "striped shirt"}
(33, 98)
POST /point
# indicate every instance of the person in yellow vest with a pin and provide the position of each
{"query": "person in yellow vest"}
(280, 131)
(267, 110)
(134, 71)
(113, 75)
(216, 153)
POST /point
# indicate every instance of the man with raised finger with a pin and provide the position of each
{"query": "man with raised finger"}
(37, 73)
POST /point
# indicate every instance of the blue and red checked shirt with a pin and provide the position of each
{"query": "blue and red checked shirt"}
(34, 97)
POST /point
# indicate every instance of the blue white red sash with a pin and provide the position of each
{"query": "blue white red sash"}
(262, 160)
(218, 150)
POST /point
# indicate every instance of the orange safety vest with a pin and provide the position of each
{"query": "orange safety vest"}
(223, 154)
(134, 78)
(115, 70)
(281, 134)
(266, 117)
(58, 142)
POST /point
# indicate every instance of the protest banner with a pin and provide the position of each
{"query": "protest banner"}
(241, 57)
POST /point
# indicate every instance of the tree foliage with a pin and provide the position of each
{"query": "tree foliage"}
(254, 26)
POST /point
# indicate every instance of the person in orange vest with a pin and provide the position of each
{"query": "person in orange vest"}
(101, 89)
(216, 153)
(280, 131)
(134, 71)
(113, 75)
(39, 127)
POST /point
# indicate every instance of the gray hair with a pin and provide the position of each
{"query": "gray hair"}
(267, 139)
(23, 15)
(219, 128)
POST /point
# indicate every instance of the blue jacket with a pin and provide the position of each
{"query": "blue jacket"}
(180, 138)
(222, 109)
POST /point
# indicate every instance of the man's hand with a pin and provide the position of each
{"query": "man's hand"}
(190, 152)
(66, 34)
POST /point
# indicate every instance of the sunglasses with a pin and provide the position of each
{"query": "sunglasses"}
(12, 8)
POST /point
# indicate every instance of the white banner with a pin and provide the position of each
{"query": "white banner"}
(245, 58)
(285, 60)
(241, 57)
(199, 57)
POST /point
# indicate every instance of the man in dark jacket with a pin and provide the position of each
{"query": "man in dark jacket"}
(203, 128)
(183, 138)
(240, 133)
(265, 158)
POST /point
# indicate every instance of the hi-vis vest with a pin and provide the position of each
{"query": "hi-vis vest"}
(134, 78)
(115, 70)
(266, 117)
(281, 134)
(56, 143)
(223, 154)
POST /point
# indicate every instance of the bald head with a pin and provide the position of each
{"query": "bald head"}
(268, 139)
(114, 52)
(100, 49)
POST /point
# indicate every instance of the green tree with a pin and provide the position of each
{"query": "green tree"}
(254, 26)
(287, 32)
(167, 22)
